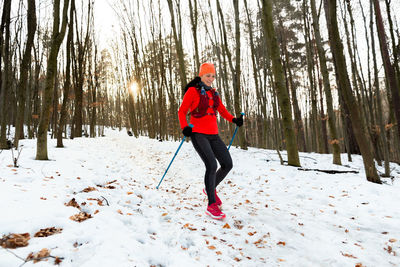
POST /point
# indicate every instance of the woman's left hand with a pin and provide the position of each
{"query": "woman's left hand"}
(238, 121)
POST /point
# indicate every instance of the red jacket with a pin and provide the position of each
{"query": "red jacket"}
(206, 124)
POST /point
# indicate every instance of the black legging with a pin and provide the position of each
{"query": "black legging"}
(211, 147)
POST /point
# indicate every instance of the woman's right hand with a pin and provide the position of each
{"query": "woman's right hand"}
(187, 131)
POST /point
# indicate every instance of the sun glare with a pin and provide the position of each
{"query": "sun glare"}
(133, 88)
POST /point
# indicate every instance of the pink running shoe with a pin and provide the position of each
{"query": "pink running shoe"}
(214, 212)
(217, 199)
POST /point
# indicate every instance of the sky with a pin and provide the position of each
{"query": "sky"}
(106, 22)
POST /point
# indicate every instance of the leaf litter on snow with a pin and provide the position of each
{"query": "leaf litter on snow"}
(268, 201)
(15, 240)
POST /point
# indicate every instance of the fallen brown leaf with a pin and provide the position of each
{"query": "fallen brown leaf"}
(48, 232)
(89, 189)
(42, 254)
(57, 261)
(189, 227)
(226, 226)
(238, 224)
(15, 240)
(389, 249)
(80, 217)
(348, 255)
(73, 203)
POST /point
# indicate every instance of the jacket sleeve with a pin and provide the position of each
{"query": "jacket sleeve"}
(188, 99)
(224, 113)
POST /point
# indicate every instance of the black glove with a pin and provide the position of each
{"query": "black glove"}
(238, 121)
(187, 131)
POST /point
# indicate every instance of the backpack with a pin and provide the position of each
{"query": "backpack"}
(203, 106)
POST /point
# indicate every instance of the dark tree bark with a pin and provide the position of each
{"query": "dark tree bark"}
(194, 21)
(178, 44)
(56, 40)
(279, 81)
(298, 122)
(389, 69)
(67, 82)
(237, 73)
(327, 87)
(80, 66)
(6, 75)
(348, 97)
(313, 87)
(24, 70)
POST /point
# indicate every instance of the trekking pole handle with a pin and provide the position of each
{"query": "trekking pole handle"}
(237, 127)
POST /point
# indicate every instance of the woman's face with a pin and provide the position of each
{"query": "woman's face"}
(208, 78)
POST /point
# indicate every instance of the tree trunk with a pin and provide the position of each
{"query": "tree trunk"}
(389, 70)
(313, 87)
(80, 66)
(178, 45)
(380, 119)
(6, 75)
(298, 122)
(24, 69)
(262, 114)
(67, 82)
(327, 88)
(237, 73)
(279, 80)
(194, 20)
(56, 40)
(348, 97)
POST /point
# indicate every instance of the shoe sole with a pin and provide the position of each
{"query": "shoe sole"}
(215, 217)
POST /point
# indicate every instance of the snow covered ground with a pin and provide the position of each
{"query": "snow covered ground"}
(276, 215)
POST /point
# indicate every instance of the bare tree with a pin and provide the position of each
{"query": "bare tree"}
(345, 88)
(327, 87)
(389, 69)
(24, 70)
(67, 82)
(280, 86)
(6, 75)
(56, 40)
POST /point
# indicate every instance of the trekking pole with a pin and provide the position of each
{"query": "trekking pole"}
(237, 127)
(183, 140)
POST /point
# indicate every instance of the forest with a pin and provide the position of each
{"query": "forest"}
(317, 76)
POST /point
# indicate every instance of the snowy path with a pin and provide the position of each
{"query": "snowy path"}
(276, 215)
